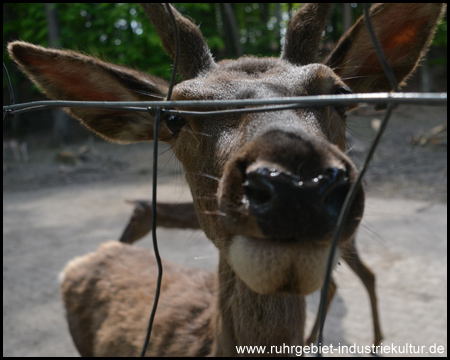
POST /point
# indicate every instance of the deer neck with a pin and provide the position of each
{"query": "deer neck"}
(247, 318)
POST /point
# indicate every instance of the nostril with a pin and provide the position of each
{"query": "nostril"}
(286, 205)
(328, 182)
(258, 188)
(265, 185)
(333, 190)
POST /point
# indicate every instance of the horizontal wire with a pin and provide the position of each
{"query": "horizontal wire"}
(302, 101)
(389, 99)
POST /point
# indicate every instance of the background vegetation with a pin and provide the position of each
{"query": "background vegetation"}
(121, 33)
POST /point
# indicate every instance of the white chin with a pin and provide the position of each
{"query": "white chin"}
(269, 267)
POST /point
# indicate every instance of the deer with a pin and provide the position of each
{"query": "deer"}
(267, 187)
(183, 216)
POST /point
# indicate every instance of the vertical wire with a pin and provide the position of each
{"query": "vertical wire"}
(380, 53)
(10, 88)
(155, 173)
(8, 113)
(177, 51)
(343, 215)
(155, 243)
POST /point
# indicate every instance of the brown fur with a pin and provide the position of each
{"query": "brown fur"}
(179, 216)
(282, 179)
(183, 216)
(300, 46)
(187, 298)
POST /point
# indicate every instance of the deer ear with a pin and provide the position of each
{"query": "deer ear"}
(304, 33)
(67, 75)
(404, 31)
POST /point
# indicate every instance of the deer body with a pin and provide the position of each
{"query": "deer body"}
(103, 328)
(183, 216)
(282, 179)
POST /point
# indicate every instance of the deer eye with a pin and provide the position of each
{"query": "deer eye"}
(174, 123)
(342, 90)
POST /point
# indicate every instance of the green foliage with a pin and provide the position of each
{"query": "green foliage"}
(122, 34)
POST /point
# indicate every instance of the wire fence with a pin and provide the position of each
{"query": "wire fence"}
(156, 108)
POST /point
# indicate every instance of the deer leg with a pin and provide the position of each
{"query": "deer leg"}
(140, 223)
(179, 216)
(352, 258)
(332, 290)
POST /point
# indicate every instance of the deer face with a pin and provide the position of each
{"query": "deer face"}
(283, 177)
(267, 187)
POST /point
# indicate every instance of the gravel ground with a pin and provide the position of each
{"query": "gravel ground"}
(54, 211)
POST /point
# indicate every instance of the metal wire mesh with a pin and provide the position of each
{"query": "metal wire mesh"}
(251, 106)
(411, 98)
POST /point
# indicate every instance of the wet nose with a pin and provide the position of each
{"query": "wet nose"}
(286, 205)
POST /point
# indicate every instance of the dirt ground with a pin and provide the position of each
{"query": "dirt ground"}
(54, 210)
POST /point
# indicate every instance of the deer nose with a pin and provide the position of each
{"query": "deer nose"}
(287, 205)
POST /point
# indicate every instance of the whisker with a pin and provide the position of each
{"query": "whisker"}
(342, 66)
(334, 68)
(170, 148)
(205, 175)
(349, 149)
(371, 230)
(353, 77)
(146, 93)
(189, 131)
(196, 133)
(214, 213)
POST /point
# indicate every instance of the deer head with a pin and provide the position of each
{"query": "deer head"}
(282, 176)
